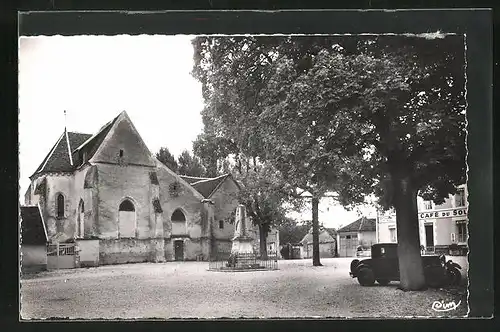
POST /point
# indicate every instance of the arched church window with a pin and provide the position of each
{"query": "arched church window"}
(60, 206)
(126, 219)
(127, 205)
(178, 223)
(178, 216)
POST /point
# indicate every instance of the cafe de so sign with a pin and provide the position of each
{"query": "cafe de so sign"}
(445, 213)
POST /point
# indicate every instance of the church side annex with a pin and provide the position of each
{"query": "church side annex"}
(111, 196)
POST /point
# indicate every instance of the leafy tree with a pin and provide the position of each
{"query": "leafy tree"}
(213, 150)
(355, 115)
(263, 195)
(190, 165)
(167, 159)
(292, 232)
(261, 188)
(235, 73)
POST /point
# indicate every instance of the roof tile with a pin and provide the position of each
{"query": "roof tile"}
(205, 186)
(363, 224)
(58, 160)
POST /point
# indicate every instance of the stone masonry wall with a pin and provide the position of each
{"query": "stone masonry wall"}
(225, 205)
(116, 183)
(88, 252)
(123, 137)
(120, 251)
(89, 197)
(190, 205)
(59, 184)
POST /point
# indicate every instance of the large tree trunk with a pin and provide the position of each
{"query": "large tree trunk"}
(315, 234)
(263, 242)
(410, 262)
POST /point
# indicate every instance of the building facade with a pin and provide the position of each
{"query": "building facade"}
(110, 188)
(327, 244)
(441, 227)
(361, 232)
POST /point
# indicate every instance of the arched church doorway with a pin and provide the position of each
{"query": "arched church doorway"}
(179, 250)
(126, 219)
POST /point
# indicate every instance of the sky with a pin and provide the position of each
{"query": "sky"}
(94, 78)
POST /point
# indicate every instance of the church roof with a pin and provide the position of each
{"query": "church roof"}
(59, 159)
(62, 158)
(205, 186)
(363, 224)
(94, 141)
(32, 227)
(192, 179)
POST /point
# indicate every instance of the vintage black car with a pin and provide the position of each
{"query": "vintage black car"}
(383, 266)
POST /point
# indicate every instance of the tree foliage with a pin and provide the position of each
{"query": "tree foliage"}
(185, 164)
(262, 191)
(190, 165)
(352, 114)
(167, 159)
(326, 100)
(292, 232)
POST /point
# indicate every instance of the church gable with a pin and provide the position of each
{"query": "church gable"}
(123, 145)
(173, 185)
(209, 187)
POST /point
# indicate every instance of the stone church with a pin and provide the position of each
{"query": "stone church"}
(108, 188)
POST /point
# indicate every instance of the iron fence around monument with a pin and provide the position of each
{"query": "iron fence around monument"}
(227, 261)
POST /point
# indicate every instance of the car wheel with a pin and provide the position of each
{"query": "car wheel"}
(454, 276)
(354, 264)
(366, 277)
(435, 276)
(383, 282)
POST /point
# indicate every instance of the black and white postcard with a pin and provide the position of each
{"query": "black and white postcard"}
(252, 173)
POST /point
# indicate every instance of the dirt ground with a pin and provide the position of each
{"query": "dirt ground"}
(189, 290)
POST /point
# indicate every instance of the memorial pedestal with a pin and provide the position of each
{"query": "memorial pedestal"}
(242, 245)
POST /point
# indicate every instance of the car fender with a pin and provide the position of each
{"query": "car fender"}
(453, 264)
(362, 265)
(354, 272)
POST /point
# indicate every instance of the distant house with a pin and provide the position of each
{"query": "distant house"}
(291, 251)
(33, 240)
(361, 232)
(327, 243)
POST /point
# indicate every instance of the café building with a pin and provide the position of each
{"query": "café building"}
(442, 228)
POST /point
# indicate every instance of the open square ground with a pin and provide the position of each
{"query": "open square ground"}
(189, 290)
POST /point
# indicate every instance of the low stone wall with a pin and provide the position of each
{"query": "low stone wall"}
(168, 248)
(120, 251)
(88, 253)
(192, 250)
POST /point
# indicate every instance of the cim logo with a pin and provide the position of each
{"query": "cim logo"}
(443, 213)
(441, 306)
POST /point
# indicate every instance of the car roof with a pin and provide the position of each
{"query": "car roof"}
(391, 244)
